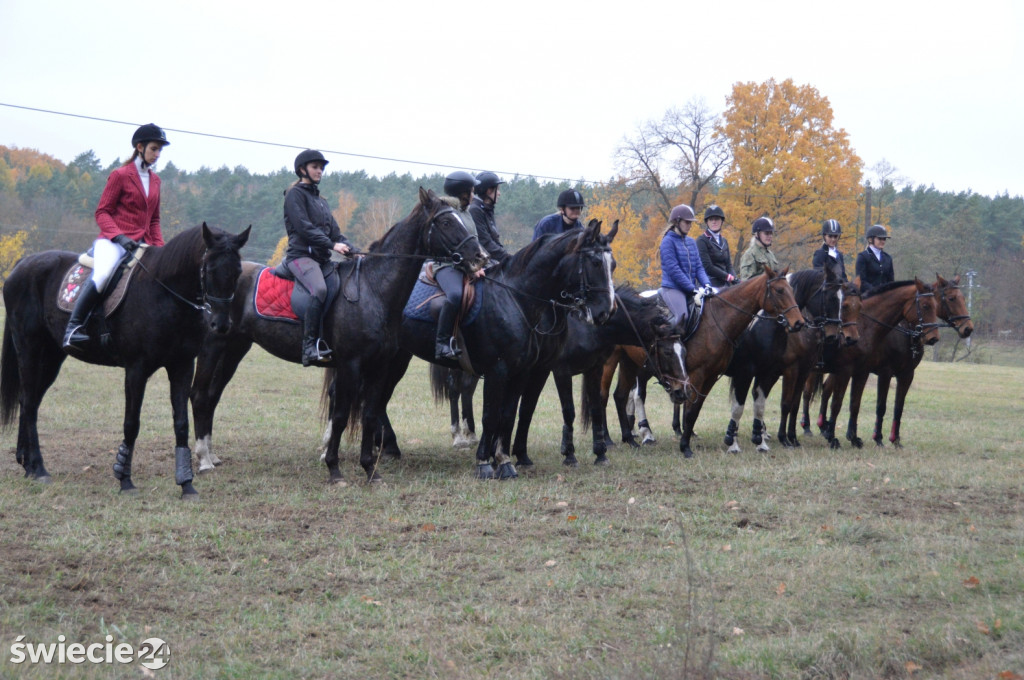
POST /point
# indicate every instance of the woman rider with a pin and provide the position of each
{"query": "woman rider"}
(313, 234)
(682, 274)
(128, 214)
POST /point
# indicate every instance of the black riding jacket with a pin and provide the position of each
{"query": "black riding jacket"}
(716, 259)
(487, 230)
(312, 229)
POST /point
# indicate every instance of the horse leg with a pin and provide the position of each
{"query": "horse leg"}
(856, 392)
(388, 442)
(344, 386)
(469, 383)
(216, 365)
(903, 383)
(806, 391)
(452, 383)
(839, 385)
(591, 402)
(737, 399)
(676, 422)
(789, 406)
(643, 425)
(179, 375)
(507, 420)
(827, 386)
(622, 397)
(494, 388)
(37, 370)
(527, 405)
(689, 420)
(761, 391)
(563, 383)
(135, 378)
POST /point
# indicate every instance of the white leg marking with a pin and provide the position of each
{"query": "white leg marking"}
(206, 459)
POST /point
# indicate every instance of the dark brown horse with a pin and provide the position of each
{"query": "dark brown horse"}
(882, 310)
(361, 327)
(183, 289)
(903, 352)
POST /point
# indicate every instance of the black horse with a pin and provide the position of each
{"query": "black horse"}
(160, 324)
(527, 302)
(765, 351)
(361, 327)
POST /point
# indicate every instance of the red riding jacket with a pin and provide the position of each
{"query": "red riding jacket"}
(125, 209)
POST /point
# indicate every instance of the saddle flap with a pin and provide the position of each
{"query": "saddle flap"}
(78, 274)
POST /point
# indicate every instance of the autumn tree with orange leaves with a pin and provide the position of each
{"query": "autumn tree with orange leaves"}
(635, 253)
(789, 163)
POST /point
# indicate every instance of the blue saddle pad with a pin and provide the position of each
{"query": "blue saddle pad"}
(420, 306)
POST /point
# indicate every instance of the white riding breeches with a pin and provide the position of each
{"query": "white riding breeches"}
(106, 254)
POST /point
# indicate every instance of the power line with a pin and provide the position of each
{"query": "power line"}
(293, 146)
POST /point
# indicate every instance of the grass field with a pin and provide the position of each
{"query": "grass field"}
(805, 563)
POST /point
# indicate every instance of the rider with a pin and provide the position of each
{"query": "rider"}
(682, 274)
(482, 209)
(758, 253)
(830, 233)
(570, 207)
(874, 265)
(459, 185)
(714, 249)
(313, 234)
(128, 214)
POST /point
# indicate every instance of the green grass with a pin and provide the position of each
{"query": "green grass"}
(805, 563)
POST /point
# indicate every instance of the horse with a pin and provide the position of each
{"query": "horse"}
(903, 352)
(457, 388)
(882, 309)
(361, 326)
(765, 351)
(523, 319)
(724, 317)
(160, 323)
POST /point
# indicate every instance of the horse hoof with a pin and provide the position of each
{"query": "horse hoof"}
(134, 491)
(337, 480)
(507, 471)
(206, 467)
(834, 443)
(373, 477)
(602, 460)
(484, 471)
(807, 432)
(43, 479)
(649, 441)
(735, 448)
(524, 461)
(687, 452)
(190, 496)
(570, 461)
(857, 442)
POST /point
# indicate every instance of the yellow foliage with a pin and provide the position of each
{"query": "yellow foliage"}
(789, 163)
(346, 208)
(635, 246)
(12, 249)
(279, 252)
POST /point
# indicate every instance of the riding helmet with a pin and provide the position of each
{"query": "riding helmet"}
(307, 157)
(459, 183)
(831, 228)
(570, 198)
(763, 224)
(876, 231)
(681, 212)
(486, 181)
(149, 133)
(714, 210)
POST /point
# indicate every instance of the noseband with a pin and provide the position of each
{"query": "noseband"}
(206, 297)
(768, 290)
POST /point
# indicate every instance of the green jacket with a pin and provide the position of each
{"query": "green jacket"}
(755, 258)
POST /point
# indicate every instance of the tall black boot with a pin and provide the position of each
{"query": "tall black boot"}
(74, 334)
(315, 351)
(444, 344)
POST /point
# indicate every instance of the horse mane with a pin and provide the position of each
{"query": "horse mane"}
(518, 263)
(642, 310)
(183, 248)
(379, 243)
(886, 287)
(806, 283)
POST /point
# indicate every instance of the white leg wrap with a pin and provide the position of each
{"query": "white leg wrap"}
(204, 454)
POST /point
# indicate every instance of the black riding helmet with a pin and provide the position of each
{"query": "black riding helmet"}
(149, 133)
(831, 228)
(876, 231)
(570, 198)
(762, 224)
(713, 211)
(305, 158)
(459, 183)
(486, 181)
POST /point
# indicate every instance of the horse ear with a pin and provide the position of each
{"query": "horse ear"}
(592, 230)
(856, 282)
(207, 236)
(242, 238)
(615, 229)
(768, 270)
(424, 197)
(938, 277)
(919, 284)
(956, 280)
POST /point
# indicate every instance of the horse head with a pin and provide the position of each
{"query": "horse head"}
(779, 300)
(658, 336)
(953, 306)
(446, 237)
(849, 311)
(222, 265)
(588, 265)
(922, 313)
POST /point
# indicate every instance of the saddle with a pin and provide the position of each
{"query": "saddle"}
(79, 272)
(426, 301)
(277, 298)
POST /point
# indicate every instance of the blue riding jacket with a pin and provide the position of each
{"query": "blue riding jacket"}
(681, 267)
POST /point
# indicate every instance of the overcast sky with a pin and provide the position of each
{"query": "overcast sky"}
(541, 88)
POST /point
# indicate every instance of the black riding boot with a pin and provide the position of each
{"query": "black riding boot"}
(75, 333)
(315, 351)
(444, 347)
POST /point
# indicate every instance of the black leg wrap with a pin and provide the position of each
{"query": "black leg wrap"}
(182, 465)
(123, 462)
(730, 432)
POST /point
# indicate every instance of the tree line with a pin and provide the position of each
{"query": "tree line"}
(773, 151)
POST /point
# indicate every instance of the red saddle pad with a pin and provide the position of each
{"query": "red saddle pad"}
(273, 296)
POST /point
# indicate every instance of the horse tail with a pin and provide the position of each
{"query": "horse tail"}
(327, 394)
(10, 379)
(441, 383)
(815, 383)
(588, 382)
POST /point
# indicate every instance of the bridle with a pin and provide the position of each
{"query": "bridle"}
(948, 316)
(205, 298)
(454, 256)
(917, 331)
(768, 291)
(651, 351)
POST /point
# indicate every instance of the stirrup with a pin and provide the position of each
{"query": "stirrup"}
(448, 351)
(74, 337)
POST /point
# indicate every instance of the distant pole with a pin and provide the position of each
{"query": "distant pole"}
(970, 274)
(867, 208)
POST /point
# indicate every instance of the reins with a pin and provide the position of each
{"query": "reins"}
(205, 306)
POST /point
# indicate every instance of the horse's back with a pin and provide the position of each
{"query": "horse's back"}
(36, 277)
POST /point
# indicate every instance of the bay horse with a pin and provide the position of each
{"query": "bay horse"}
(902, 354)
(361, 326)
(181, 293)
(522, 320)
(882, 310)
(709, 348)
(765, 351)
(639, 322)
